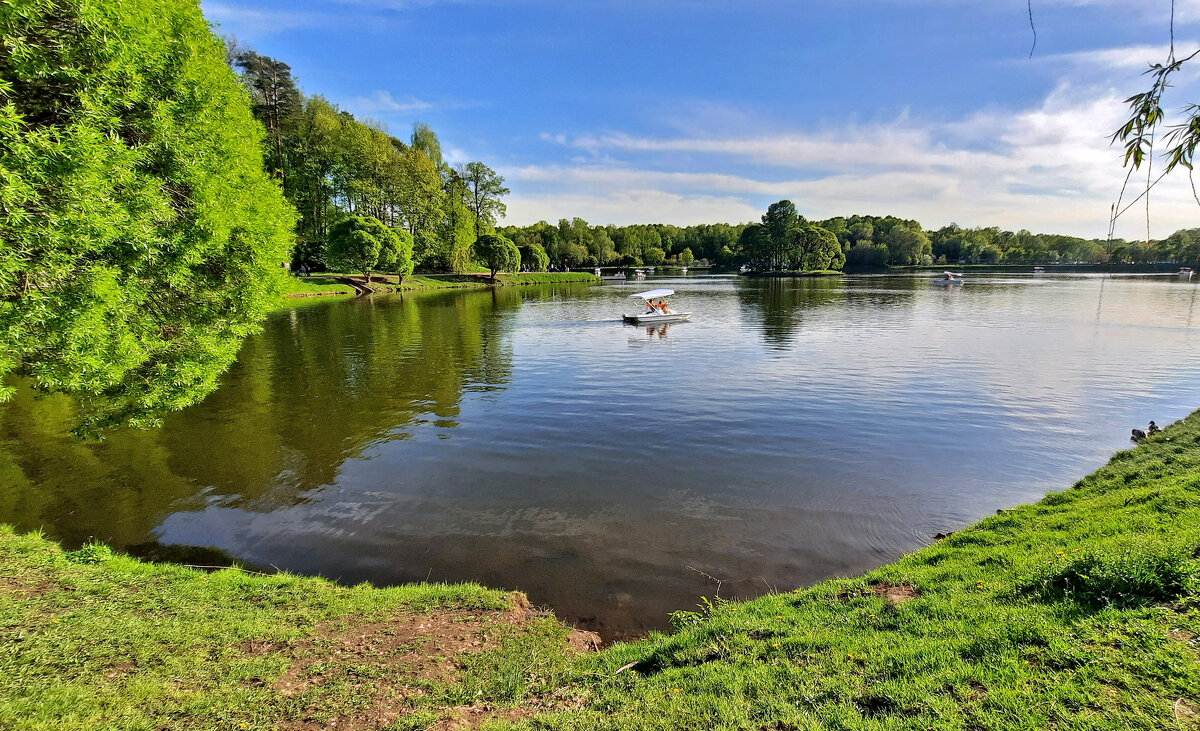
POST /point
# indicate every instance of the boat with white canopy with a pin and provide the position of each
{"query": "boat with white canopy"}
(656, 308)
(947, 279)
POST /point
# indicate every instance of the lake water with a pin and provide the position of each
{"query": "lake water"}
(527, 439)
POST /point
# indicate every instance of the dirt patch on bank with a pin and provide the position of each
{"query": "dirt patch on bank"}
(387, 666)
(895, 593)
(27, 587)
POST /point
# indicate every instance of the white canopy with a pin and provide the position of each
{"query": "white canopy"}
(652, 294)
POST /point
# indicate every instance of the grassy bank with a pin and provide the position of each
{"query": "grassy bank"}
(328, 284)
(1081, 611)
(790, 274)
(314, 286)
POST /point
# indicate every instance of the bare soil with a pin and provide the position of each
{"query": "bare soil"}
(895, 593)
(387, 664)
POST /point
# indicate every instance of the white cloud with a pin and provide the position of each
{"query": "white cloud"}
(626, 206)
(1049, 168)
(382, 102)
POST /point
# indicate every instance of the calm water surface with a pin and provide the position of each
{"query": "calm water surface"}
(526, 439)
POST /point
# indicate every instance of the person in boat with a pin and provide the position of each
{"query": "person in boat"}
(651, 309)
(662, 306)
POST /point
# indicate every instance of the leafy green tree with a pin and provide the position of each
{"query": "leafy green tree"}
(485, 188)
(364, 244)
(140, 239)
(534, 257)
(456, 230)
(686, 256)
(755, 243)
(397, 254)
(425, 140)
(497, 253)
(277, 101)
(655, 256)
(907, 245)
(867, 255)
(819, 249)
(779, 220)
(601, 246)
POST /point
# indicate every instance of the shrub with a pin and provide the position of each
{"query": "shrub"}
(1127, 578)
(92, 553)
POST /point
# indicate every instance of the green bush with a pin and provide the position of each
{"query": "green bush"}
(92, 553)
(1126, 578)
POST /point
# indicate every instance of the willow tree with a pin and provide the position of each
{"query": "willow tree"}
(364, 244)
(140, 239)
(498, 254)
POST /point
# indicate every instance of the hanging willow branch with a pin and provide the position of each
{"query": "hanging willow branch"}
(1147, 123)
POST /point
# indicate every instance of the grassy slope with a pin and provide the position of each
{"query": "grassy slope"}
(320, 285)
(315, 285)
(90, 640)
(795, 274)
(1078, 612)
(445, 281)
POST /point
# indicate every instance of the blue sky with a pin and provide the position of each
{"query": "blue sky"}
(694, 111)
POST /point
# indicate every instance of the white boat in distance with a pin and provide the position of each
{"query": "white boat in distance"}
(653, 314)
(947, 279)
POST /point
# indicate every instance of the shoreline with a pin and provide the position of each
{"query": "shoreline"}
(792, 274)
(338, 284)
(1081, 608)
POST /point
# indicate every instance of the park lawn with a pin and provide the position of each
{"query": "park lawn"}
(314, 285)
(89, 640)
(326, 284)
(1081, 611)
(415, 282)
(797, 273)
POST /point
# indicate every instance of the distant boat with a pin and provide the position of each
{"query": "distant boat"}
(639, 274)
(1039, 270)
(653, 313)
(1186, 271)
(618, 277)
(947, 279)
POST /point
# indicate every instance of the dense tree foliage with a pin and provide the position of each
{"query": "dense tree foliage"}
(140, 239)
(364, 244)
(863, 241)
(498, 254)
(534, 258)
(332, 165)
(786, 240)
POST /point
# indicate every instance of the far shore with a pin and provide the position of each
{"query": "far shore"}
(327, 284)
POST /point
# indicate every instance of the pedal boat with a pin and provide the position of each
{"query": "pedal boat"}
(649, 318)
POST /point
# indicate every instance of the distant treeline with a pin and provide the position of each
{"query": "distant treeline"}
(864, 241)
(332, 166)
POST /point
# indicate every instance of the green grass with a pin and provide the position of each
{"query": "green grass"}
(1079, 612)
(797, 273)
(546, 278)
(315, 285)
(93, 640)
(479, 281)
(325, 284)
